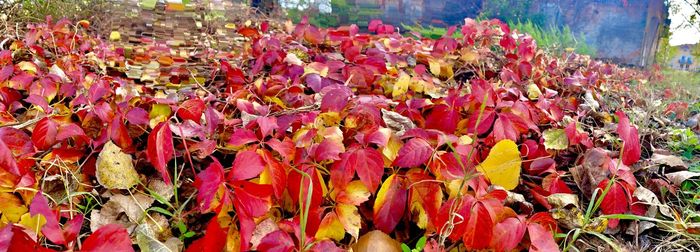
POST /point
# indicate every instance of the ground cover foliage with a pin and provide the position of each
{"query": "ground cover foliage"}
(333, 139)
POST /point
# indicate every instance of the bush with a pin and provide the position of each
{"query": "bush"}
(553, 40)
(37, 10)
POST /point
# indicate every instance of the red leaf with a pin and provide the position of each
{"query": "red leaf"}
(120, 134)
(69, 130)
(442, 118)
(7, 160)
(541, 166)
(191, 109)
(13, 238)
(335, 99)
(44, 134)
(110, 237)
(267, 125)
(208, 183)
(276, 241)
(479, 228)
(374, 24)
(247, 165)
(6, 72)
(425, 193)
(541, 239)
(39, 101)
(325, 246)
(16, 140)
(52, 229)
(327, 150)
(444, 215)
(503, 129)
(368, 163)
(137, 116)
(546, 220)
(508, 234)
(631, 150)
(414, 153)
(554, 184)
(576, 137)
(251, 198)
(296, 183)
(616, 201)
(71, 229)
(249, 32)
(285, 148)
(160, 149)
(214, 239)
(390, 204)
(241, 137)
(278, 173)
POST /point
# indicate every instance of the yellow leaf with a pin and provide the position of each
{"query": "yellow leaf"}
(328, 119)
(115, 170)
(317, 68)
(115, 36)
(355, 193)
(334, 134)
(387, 186)
(350, 218)
(555, 139)
(418, 86)
(11, 208)
(391, 150)
(233, 239)
(465, 140)
(401, 86)
(421, 216)
(331, 228)
(276, 100)
(502, 166)
(533, 92)
(440, 68)
(159, 113)
(28, 67)
(452, 187)
(324, 187)
(33, 223)
(470, 56)
(434, 67)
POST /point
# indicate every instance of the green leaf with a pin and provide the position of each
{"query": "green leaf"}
(148, 4)
(555, 139)
(181, 227)
(405, 248)
(421, 243)
(159, 197)
(161, 210)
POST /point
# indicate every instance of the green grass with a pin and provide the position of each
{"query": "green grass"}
(554, 39)
(680, 80)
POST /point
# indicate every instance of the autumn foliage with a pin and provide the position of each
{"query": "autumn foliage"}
(307, 138)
